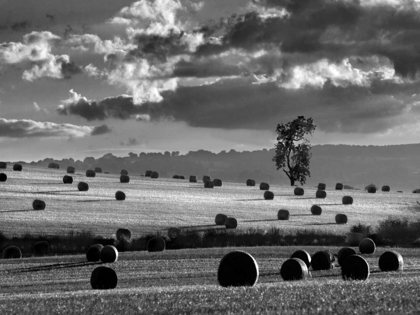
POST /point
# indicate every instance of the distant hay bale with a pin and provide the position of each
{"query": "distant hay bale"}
(322, 260)
(122, 232)
(220, 219)
(237, 268)
(347, 200)
(304, 255)
(322, 186)
(316, 210)
(124, 179)
(103, 278)
(294, 269)
(3, 177)
(67, 179)
(90, 173)
(193, 179)
(124, 244)
(268, 195)
(41, 248)
(109, 254)
(341, 218)
(94, 252)
(17, 167)
(371, 188)
(38, 204)
(399, 191)
(283, 214)
(148, 173)
(12, 252)
(231, 223)
(321, 194)
(343, 253)
(250, 182)
(98, 170)
(154, 175)
(391, 261)
(54, 165)
(175, 177)
(264, 186)
(156, 244)
(206, 178)
(71, 170)
(3, 165)
(386, 188)
(217, 182)
(367, 246)
(208, 184)
(173, 232)
(119, 195)
(355, 267)
(124, 172)
(82, 186)
(354, 238)
(299, 191)
(181, 177)
(339, 186)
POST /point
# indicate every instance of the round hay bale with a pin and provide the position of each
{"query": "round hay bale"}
(94, 252)
(386, 188)
(119, 195)
(208, 184)
(175, 177)
(109, 254)
(121, 232)
(82, 186)
(71, 170)
(38, 204)
(354, 238)
(371, 189)
(12, 252)
(217, 182)
(231, 223)
(3, 165)
(54, 165)
(343, 253)
(154, 175)
(399, 191)
(250, 182)
(156, 244)
(67, 179)
(264, 186)
(322, 186)
(391, 261)
(304, 255)
(322, 260)
(367, 246)
(103, 278)
(3, 177)
(173, 232)
(237, 268)
(341, 218)
(283, 214)
(339, 186)
(347, 200)
(41, 248)
(268, 195)
(124, 172)
(181, 177)
(148, 173)
(321, 194)
(98, 170)
(206, 178)
(17, 167)
(124, 179)
(90, 173)
(193, 179)
(220, 219)
(316, 210)
(355, 267)
(294, 269)
(299, 191)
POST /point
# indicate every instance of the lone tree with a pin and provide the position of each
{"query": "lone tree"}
(293, 150)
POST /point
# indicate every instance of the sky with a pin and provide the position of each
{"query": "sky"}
(85, 78)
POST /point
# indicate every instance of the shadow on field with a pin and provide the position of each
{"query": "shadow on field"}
(260, 220)
(95, 200)
(304, 198)
(329, 204)
(50, 183)
(26, 210)
(260, 199)
(56, 266)
(302, 215)
(48, 192)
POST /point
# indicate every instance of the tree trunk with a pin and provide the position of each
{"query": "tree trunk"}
(292, 182)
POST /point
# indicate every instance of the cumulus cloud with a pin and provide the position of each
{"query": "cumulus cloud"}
(40, 109)
(100, 130)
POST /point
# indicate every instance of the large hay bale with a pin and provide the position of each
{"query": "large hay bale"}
(17, 167)
(109, 254)
(322, 260)
(341, 218)
(347, 200)
(148, 173)
(299, 191)
(124, 172)
(156, 244)
(268, 195)
(354, 238)
(98, 170)
(90, 173)
(12, 252)
(217, 182)
(264, 186)
(367, 246)
(386, 188)
(322, 186)
(119, 195)
(193, 179)
(237, 268)
(343, 253)
(391, 261)
(82, 186)
(316, 210)
(3, 165)
(355, 267)
(294, 269)
(41, 248)
(103, 278)
(231, 223)
(181, 177)
(321, 194)
(304, 255)
(54, 165)
(3, 177)
(371, 189)
(124, 179)
(173, 232)
(121, 232)
(339, 186)
(94, 252)
(370, 185)
(38, 204)
(208, 184)
(283, 214)
(250, 182)
(154, 175)
(71, 170)
(206, 178)
(220, 219)
(67, 179)
(175, 177)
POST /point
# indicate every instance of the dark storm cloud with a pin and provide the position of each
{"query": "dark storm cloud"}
(69, 69)
(100, 130)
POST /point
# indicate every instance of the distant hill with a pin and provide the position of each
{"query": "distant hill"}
(357, 166)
